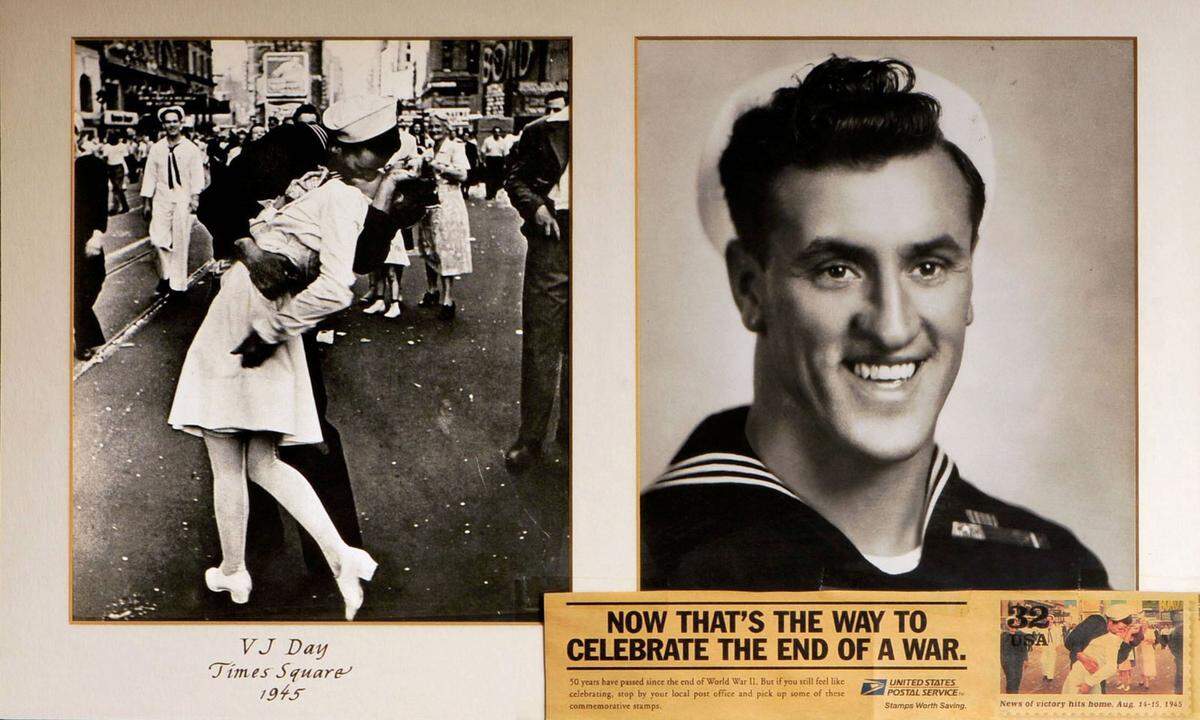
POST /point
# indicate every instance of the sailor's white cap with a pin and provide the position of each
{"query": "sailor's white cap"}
(170, 109)
(361, 117)
(962, 123)
(1117, 610)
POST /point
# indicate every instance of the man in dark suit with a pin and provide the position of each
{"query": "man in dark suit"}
(262, 171)
(1174, 642)
(218, 152)
(91, 217)
(538, 186)
(472, 148)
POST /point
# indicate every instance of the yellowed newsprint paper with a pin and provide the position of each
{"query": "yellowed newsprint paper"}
(963, 655)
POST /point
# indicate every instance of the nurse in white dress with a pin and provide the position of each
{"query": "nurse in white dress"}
(244, 386)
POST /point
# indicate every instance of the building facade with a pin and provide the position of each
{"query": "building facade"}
(231, 88)
(451, 83)
(124, 83)
(516, 76)
(469, 79)
(283, 74)
(402, 69)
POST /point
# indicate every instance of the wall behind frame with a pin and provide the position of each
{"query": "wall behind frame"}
(53, 669)
(1043, 412)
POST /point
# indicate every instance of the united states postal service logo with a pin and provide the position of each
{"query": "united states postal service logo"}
(874, 687)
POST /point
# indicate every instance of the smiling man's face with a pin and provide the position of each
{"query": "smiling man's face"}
(172, 124)
(865, 298)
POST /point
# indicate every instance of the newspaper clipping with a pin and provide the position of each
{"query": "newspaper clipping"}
(859, 654)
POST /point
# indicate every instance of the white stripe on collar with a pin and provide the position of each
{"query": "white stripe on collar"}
(939, 472)
(717, 457)
(724, 480)
(322, 135)
(709, 469)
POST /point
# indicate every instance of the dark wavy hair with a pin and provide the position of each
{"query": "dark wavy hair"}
(845, 112)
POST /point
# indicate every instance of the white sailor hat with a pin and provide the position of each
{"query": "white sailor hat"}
(961, 122)
(169, 109)
(1117, 610)
(361, 117)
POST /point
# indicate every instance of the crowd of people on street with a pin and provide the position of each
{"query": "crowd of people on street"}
(445, 157)
(297, 211)
(189, 159)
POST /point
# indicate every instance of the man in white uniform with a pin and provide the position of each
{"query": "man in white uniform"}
(495, 149)
(1048, 656)
(171, 189)
(1099, 660)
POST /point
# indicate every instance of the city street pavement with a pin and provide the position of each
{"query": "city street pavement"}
(425, 410)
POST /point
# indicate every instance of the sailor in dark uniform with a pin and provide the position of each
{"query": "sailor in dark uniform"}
(719, 519)
(1013, 653)
(1173, 640)
(855, 199)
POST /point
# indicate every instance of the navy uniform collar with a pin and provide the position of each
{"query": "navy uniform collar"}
(734, 462)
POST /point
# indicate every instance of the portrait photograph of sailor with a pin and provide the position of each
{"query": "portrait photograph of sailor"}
(925, 273)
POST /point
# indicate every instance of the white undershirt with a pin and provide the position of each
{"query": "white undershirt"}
(896, 564)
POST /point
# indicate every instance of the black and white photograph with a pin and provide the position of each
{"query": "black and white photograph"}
(887, 313)
(321, 318)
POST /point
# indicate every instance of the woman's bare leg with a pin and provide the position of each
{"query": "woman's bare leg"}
(292, 491)
(394, 275)
(295, 494)
(227, 455)
(375, 296)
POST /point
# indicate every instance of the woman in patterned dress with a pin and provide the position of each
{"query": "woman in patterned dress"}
(444, 234)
